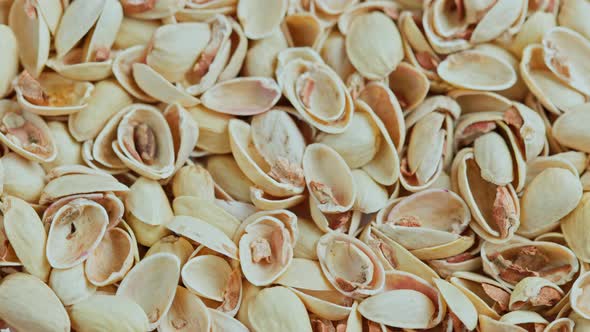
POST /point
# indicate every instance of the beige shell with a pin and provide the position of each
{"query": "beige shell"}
(111, 203)
(565, 130)
(76, 231)
(185, 133)
(260, 17)
(327, 106)
(27, 238)
(69, 151)
(229, 177)
(147, 201)
(483, 197)
(123, 71)
(574, 226)
(533, 292)
(458, 303)
(187, 313)
(578, 296)
(71, 285)
(32, 34)
(27, 304)
(155, 85)
(570, 16)
(156, 10)
(430, 233)
(277, 308)
(9, 65)
(489, 297)
(213, 129)
(208, 211)
(110, 312)
(23, 178)
(203, 233)
(350, 265)
(409, 85)
(160, 273)
(265, 242)
(173, 244)
(26, 133)
(72, 67)
(473, 70)
(551, 261)
(133, 32)
(111, 260)
(539, 215)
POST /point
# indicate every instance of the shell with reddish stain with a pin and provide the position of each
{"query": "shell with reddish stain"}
(187, 313)
(76, 230)
(532, 292)
(160, 274)
(458, 304)
(26, 133)
(151, 9)
(431, 223)
(350, 265)
(314, 89)
(512, 262)
(489, 297)
(266, 240)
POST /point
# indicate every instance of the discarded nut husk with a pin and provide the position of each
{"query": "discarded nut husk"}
(22, 178)
(228, 176)
(9, 65)
(26, 236)
(76, 231)
(285, 308)
(203, 233)
(510, 263)
(524, 319)
(430, 233)
(566, 132)
(151, 9)
(489, 297)
(533, 292)
(350, 265)
(71, 285)
(187, 313)
(458, 304)
(160, 273)
(111, 260)
(265, 242)
(27, 304)
(574, 226)
(109, 312)
(260, 17)
(112, 205)
(579, 295)
(26, 133)
(213, 129)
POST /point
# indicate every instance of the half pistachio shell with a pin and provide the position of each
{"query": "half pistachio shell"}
(71, 285)
(574, 225)
(9, 65)
(203, 233)
(159, 273)
(28, 304)
(533, 292)
(566, 130)
(108, 312)
(111, 260)
(578, 296)
(350, 265)
(187, 313)
(458, 303)
(260, 17)
(278, 308)
(489, 297)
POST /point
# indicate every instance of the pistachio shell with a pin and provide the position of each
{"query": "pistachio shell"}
(477, 70)
(71, 285)
(160, 273)
(68, 151)
(278, 308)
(27, 304)
(227, 175)
(566, 132)
(416, 311)
(108, 312)
(157, 87)
(187, 313)
(111, 260)
(458, 303)
(574, 226)
(159, 9)
(72, 184)
(72, 67)
(260, 17)
(532, 292)
(26, 235)
(133, 32)
(207, 211)
(224, 322)
(570, 16)
(489, 297)
(9, 65)
(242, 96)
(203, 233)
(173, 244)
(22, 178)
(493, 157)
(76, 231)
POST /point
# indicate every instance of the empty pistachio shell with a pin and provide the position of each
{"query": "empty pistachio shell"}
(9, 64)
(26, 133)
(566, 130)
(187, 313)
(32, 35)
(72, 184)
(458, 303)
(477, 70)
(68, 151)
(260, 17)
(111, 260)
(227, 175)
(22, 178)
(243, 96)
(76, 230)
(160, 273)
(489, 297)
(539, 214)
(579, 295)
(71, 285)
(27, 304)
(152, 9)
(532, 292)
(26, 235)
(350, 265)
(147, 201)
(213, 127)
(203, 233)
(109, 312)
(415, 313)
(278, 308)
(574, 226)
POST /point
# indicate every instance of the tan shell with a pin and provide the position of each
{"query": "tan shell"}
(229, 177)
(578, 296)
(114, 313)
(472, 70)
(27, 304)
(489, 297)
(338, 253)
(147, 201)
(25, 233)
(72, 67)
(69, 151)
(213, 129)
(371, 35)
(26, 133)
(185, 133)
(565, 130)
(533, 292)
(574, 226)
(551, 261)
(9, 65)
(133, 32)
(111, 260)
(327, 106)
(266, 241)
(458, 303)
(111, 203)
(160, 273)
(277, 308)
(71, 285)
(155, 85)
(158, 10)
(23, 178)
(539, 215)
(76, 231)
(203, 233)
(32, 34)
(187, 313)
(260, 17)
(409, 85)
(430, 233)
